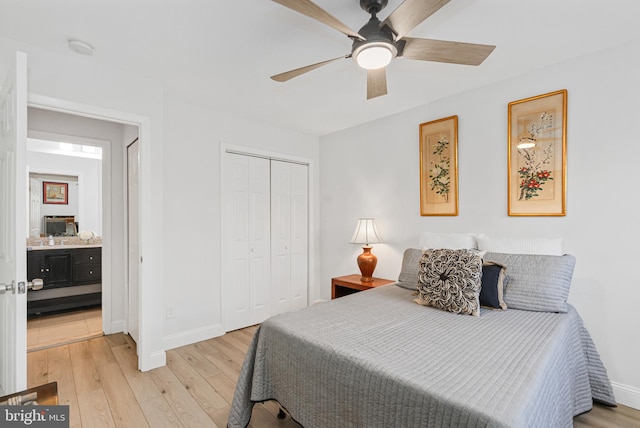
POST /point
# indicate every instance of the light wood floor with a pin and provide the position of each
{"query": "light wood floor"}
(98, 379)
(50, 330)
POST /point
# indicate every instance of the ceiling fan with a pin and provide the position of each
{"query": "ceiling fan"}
(377, 43)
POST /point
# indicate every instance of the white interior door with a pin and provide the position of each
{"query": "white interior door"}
(13, 227)
(245, 240)
(133, 222)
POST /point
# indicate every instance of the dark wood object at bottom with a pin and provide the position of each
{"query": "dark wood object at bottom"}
(44, 395)
(349, 284)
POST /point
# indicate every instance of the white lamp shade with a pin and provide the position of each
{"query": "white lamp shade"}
(366, 232)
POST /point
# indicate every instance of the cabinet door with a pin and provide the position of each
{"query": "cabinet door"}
(57, 267)
(35, 265)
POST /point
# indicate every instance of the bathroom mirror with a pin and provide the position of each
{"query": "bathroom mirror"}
(77, 170)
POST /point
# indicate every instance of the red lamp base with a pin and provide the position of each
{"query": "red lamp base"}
(367, 264)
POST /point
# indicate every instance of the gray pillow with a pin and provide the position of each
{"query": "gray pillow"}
(536, 282)
(408, 277)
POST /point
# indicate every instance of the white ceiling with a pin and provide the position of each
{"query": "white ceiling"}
(221, 53)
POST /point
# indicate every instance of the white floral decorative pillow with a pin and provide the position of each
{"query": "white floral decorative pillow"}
(450, 280)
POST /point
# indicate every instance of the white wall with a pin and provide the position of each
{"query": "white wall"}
(193, 137)
(70, 82)
(180, 186)
(373, 170)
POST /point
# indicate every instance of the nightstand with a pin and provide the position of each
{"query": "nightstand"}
(344, 285)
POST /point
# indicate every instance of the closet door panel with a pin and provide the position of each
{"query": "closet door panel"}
(280, 236)
(235, 269)
(245, 233)
(259, 239)
(299, 235)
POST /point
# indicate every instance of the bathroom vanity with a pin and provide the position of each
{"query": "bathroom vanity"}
(72, 277)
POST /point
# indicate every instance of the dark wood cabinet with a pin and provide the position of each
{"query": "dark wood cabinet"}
(87, 266)
(71, 278)
(58, 269)
(52, 266)
(35, 265)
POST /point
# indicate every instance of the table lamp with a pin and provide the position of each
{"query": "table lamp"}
(366, 233)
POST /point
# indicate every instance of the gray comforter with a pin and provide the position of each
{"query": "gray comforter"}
(376, 359)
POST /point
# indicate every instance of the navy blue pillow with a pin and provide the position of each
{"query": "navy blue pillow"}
(492, 286)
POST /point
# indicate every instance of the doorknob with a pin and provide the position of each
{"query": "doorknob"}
(36, 284)
(8, 287)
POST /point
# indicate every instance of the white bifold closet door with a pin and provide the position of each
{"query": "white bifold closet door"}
(289, 236)
(265, 239)
(246, 249)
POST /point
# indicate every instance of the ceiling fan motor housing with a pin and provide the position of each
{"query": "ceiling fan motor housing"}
(373, 6)
(374, 35)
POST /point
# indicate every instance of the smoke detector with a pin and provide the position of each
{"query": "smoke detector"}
(80, 47)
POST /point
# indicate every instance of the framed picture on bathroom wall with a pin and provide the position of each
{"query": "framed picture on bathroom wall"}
(55, 193)
(537, 153)
(439, 167)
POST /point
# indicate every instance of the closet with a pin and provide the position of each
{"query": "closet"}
(264, 238)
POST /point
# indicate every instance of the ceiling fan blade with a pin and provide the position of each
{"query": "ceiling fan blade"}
(410, 13)
(446, 51)
(376, 83)
(287, 75)
(312, 10)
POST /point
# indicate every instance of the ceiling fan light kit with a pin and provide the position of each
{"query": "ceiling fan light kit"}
(372, 56)
(378, 43)
(377, 48)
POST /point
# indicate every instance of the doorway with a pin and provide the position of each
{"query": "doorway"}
(103, 215)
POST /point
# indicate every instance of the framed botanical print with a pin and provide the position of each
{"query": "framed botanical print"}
(439, 167)
(537, 155)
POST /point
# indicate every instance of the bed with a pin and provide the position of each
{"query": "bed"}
(378, 359)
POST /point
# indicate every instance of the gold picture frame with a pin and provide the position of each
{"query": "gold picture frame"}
(537, 155)
(439, 167)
